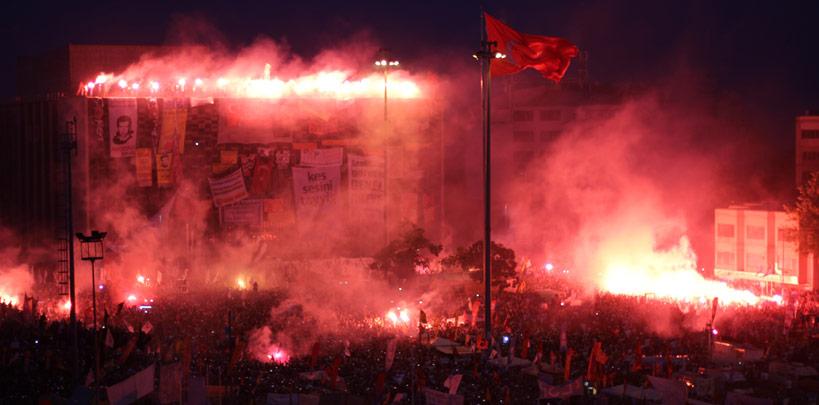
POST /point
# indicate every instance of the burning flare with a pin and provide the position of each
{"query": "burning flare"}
(670, 274)
(329, 84)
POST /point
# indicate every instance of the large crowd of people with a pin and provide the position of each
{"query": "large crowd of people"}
(586, 347)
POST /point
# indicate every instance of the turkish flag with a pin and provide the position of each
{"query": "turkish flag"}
(548, 55)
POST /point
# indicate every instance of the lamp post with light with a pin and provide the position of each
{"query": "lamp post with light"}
(92, 249)
(384, 63)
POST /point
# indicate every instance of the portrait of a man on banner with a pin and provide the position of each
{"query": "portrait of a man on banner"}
(122, 128)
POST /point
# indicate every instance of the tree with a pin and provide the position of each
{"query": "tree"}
(806, 214)
(503, 261)
(402, 256)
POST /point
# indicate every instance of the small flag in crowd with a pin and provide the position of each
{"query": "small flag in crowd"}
(109, 339)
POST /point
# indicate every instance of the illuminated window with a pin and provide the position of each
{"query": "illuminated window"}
(725, 259)
(810, 134)
(786, 234)
(755, 232)
(755, 262)
(725, 230)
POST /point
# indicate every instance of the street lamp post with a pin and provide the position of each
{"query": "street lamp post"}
(92, 249)
(384, 63)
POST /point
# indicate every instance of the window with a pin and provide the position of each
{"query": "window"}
(755, 232)
(725, 259)
(523, 115)
(725, 230)
(548, 136)
(550, 115)
(786, 234)
(523, 136)
(810, 134)
(810, 155)
(755, 262)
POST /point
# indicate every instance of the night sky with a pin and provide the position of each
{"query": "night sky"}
(763, 55)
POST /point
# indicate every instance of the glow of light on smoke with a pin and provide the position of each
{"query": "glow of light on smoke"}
(132, 298)
(140, 279)
(398, 317)
(66, 306)
(241, 283)
(14, 282)
(5, 298)
(330, 84)
(278, 355)
(670, 274)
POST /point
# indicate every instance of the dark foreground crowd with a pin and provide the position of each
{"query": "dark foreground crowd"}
(600, 350)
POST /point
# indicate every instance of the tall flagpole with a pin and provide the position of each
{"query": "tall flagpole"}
(485, 57)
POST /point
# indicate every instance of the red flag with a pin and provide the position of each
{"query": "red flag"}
(548, 55)
(567, 367)
(314, 355)
(332, 372)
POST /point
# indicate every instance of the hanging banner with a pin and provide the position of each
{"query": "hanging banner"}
(122, 126)
(322, 157)
(315, 190)
(366, 192)
(144, 163)
(261, 184)
(245, 212)
(229, 189)
(278, 213)
(164, 169)
(251, 121)
(174, 118)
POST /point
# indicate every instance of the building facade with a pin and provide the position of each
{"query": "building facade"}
(758, 244)
(807, 147)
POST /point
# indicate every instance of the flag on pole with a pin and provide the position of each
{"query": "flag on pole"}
(109, 339)
(548, 55)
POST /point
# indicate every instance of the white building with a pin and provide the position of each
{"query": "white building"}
(756, 243)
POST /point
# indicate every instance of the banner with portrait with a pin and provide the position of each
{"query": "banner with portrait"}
(164, 169)
(122, 126)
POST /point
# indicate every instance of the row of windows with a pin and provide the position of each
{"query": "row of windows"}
(543, 115)
(810, 155)
(529, 136)
(810, 134)
(753, 262)
(755, 232)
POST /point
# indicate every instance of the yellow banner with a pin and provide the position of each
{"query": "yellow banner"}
(172, 135)
(164, 169)
(144, 167)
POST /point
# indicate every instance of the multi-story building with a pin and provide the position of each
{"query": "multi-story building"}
(757, 243)
(179, 134)
(807, 146)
